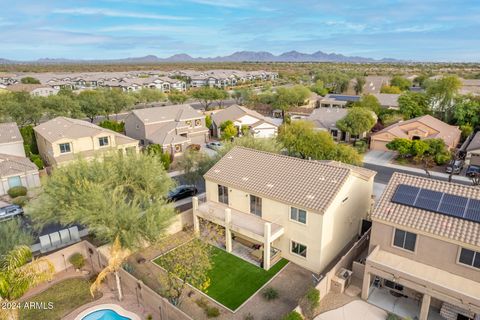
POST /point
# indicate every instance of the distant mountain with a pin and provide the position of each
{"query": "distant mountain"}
(239, 56)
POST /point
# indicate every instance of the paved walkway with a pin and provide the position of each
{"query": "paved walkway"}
(358, 310)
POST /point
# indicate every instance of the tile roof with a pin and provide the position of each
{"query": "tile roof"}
(430, 222)
(475, 143)
(235, 112)
(326, 118)
(13, 165)
(167, 113)
(9, 133)
(387, 99)
(63, 127)
(308, 184)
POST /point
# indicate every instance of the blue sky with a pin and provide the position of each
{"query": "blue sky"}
(428, 30)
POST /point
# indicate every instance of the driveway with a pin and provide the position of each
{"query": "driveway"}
(378, 157)
(358, 310)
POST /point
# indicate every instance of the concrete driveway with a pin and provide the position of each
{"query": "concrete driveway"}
(378, 157)
(358, 310)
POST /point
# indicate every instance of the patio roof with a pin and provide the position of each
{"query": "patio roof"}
(444, 283)
(244, 223)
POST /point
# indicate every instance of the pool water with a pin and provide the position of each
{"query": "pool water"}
(104, 314)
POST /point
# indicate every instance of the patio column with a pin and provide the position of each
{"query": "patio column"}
(367, 278)
(228, 232)
(425, 307)
(196, 222)
(267, 232)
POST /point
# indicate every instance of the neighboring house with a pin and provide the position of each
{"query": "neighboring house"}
(258, 125)
(473, 151)
(325, 119)
(34, 89)
(386, 100)
(11, 141)
(173, 127)
(305, 211)
(62, 140)
(425, 127)
(425, 247)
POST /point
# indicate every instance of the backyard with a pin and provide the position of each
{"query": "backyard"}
(232, 279)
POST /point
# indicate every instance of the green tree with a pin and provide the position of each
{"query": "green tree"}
(357, 121)
(390, 89)
(242, 96)
(177, 97)
(189, 164)
(19, 272)
(116, 101)
(334, 82)
(369, 101)
(29, 80)
(157, 151)
(208, 121)
(401, 82)
(62, 105)
(221, 96)
(319, 88)
(286, 98)
(402, 146)
(467, 110)
(442, 93)
(228, 130)
(147, 95)
(13, 234)
(413, 104)
(92, 103)
(359, 83)
(206, 96)
(113, 125)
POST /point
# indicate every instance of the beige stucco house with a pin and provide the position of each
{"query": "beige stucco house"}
(425, 127)
(173, 127)
(15, 168)
(62, 140)
(425, 245)
(472, 156)
(275, 206)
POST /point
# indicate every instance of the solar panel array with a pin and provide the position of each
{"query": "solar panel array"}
(439, 202)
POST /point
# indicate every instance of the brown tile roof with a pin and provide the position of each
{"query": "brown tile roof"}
(9, 133)
(308, 184)
(167, 113)
(235, 112)
(430, 222)
(13, 165)
(446, 132)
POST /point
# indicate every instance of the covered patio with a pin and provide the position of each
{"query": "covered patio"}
(246, 235)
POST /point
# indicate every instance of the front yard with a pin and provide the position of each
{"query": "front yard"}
(232, 279)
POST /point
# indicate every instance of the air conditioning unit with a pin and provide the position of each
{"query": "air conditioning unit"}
(341, 281)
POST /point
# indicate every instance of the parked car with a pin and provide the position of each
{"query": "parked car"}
(454, 166)
(181, 192)
(10, 211)
(214, 145)
(472, 171)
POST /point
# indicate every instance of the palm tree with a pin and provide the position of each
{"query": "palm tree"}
(18, 273)
(115, 261)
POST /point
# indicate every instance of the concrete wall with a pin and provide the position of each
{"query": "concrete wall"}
(14, 149)
(180, 221)
(429, 250)
(60, 258)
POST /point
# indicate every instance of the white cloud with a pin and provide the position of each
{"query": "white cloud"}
(116, 13)
(157, 28)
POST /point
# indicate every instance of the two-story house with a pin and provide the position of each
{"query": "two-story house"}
(63, 139)
(173, 127)
(271, 206)
(15, 168)
(425, 246)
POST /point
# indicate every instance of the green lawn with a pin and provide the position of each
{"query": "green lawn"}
(234, 280)
(66, 296)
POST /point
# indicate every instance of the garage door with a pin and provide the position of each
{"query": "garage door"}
(378, 145)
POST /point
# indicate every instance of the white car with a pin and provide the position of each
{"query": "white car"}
(10, 211)
(214, 145)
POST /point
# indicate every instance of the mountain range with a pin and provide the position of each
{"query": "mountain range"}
(239, 56)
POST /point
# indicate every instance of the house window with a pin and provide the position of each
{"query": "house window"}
(103, 141)
(64, 147)
(470, 258)
(334, 133)
(178, 148)
(14, 181)
(198, 123)
(222, 194)
(298, 215)
(256, 205)
(405, 240)
(299, 249)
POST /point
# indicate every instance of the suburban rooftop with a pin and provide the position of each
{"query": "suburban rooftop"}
(9, 133)
(309, 184)
(167, 113)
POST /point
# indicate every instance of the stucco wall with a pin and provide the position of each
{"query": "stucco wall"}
(430, 251)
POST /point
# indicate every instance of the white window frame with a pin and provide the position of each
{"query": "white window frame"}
(256, 203)
(402, 248)
(69, 147)
(296, 220)
(475, 253)
(297, 254)
(100, 143)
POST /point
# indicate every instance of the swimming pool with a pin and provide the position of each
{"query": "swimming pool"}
(104, 314)
(108, 311)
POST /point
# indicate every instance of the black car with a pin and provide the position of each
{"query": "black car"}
(181, 192)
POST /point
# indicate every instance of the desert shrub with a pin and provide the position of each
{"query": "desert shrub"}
(270, 294)
(17, 191)
(294, 315)
(35, 158)
(310, 302)
(77, 260)
(212, 312)
(113, 125)
(20, 201)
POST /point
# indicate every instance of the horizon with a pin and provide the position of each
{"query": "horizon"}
(431, 31)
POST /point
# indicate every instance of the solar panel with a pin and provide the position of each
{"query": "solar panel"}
(405, 194)
(473, 210)
(453, 205)
(428, 199)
